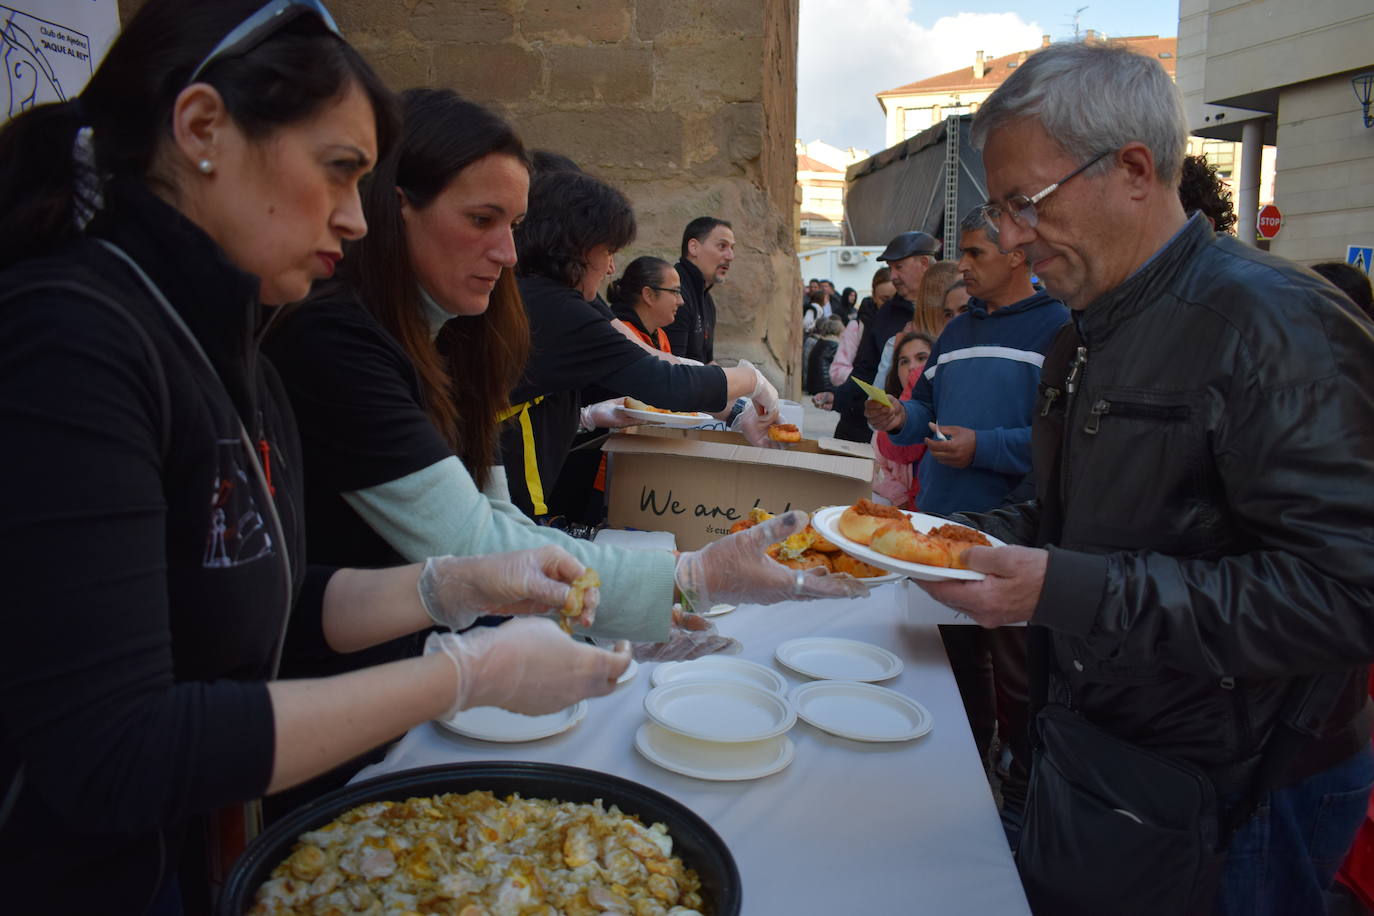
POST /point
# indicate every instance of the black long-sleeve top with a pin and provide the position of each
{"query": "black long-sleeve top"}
(573, 347)
(143, 587)
(693, 331)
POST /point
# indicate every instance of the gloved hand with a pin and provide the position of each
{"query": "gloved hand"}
(457, 590)
(689, 636)
(764, 395)
(754, 428)
(736, 570)
(605, 415)
(528, 666)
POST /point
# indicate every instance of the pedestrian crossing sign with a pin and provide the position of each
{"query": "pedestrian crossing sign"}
(1361, 256)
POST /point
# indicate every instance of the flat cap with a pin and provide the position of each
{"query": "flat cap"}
(909, 243)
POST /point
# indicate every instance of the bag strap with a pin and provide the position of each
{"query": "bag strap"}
(273, 517)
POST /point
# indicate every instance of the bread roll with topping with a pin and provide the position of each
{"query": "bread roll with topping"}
(902, 542)
(860, 521)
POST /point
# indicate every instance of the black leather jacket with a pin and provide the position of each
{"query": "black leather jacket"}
(1207, 488)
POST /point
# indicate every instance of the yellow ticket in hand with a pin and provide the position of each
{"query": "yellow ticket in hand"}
(876, 394)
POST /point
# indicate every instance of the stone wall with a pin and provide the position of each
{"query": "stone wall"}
(688, 106)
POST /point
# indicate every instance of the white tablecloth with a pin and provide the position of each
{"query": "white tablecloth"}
(849, 827)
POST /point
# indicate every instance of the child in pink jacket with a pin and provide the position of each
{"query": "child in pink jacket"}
(893, 465)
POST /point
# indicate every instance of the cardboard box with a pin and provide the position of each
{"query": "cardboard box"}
(697, 483)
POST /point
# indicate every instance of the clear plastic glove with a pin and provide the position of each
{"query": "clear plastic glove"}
(736, 570)
(457, 590)
(764, 395)
(606, 415)
(690, 636)
(528, 666)
(754, 427)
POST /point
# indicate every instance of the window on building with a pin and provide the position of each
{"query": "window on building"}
(1221, 154)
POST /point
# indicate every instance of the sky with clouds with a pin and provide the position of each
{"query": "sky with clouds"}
(852, 49)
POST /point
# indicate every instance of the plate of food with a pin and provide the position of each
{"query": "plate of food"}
(424, 832)
(910, 543)
(657, 416)
(810, 549)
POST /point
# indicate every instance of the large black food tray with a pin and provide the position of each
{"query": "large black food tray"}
(699, 846)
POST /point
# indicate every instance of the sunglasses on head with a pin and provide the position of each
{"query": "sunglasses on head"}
(260, 26)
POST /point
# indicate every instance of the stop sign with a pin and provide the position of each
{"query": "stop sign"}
(1270, 219)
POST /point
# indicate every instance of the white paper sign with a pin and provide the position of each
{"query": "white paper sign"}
(50, 48)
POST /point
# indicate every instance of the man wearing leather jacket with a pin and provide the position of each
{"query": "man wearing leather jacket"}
(1199, 565)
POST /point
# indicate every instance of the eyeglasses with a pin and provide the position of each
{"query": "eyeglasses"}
(260, 26)
(1021, 208)
(676, 291)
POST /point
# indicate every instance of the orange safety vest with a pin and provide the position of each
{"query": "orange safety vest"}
(658, 340)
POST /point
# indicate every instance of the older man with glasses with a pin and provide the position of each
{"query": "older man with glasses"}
(1198, 573)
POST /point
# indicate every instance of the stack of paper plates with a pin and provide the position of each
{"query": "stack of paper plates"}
(716, 729)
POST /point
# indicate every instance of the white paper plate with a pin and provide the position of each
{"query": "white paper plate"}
(863, 712)
(629, 673)
(720, 711)
(827, 522)
(716, 610)
(674, 420)
(838, 659)
(491, 723)
(709, 760)
(883, 580)
(721, 668)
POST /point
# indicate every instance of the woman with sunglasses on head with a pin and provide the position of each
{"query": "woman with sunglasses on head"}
(152, 533)
(399, 375)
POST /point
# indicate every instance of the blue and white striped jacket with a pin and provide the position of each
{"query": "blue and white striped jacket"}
(982, 374)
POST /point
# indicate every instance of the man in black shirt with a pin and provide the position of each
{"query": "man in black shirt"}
(708, 248)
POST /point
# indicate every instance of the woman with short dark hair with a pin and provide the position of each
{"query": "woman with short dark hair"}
(566, 248)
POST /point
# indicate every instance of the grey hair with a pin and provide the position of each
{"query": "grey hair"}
(1090, 98)
(975, 221)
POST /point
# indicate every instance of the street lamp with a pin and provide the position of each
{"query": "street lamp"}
(1364, 88)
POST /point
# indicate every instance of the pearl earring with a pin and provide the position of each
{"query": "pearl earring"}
(205, 166)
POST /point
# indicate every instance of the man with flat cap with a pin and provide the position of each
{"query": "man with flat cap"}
(907, 256)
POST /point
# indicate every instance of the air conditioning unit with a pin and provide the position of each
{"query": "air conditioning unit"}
(850, 256)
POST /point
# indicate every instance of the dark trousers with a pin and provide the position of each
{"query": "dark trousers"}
(990, 668)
